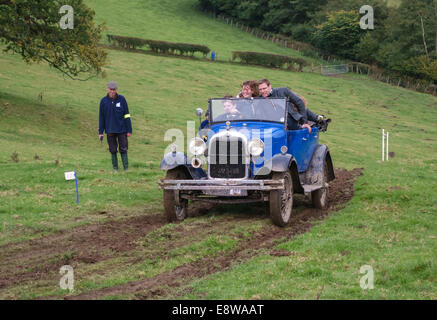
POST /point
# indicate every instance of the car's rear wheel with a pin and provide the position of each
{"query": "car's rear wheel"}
(172, 210)
(281, 201)
(320, 197)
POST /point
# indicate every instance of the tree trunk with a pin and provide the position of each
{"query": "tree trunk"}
(434, 2)
(423, 36)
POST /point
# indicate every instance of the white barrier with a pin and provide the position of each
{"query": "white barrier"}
(384, 137)
(334, 69)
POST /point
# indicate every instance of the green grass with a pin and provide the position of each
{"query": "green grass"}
(394, 231)
(180, 21)
(390, 224)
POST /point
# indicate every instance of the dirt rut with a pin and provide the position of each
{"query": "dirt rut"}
(341, 191)
(40, 259)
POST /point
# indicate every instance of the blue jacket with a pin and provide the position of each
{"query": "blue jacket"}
(114, 115)
(204, 125)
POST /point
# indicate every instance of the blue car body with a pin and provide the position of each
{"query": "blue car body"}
(300, 143)
(287, 154)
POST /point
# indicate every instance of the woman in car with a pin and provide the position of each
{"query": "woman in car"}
(249, 89)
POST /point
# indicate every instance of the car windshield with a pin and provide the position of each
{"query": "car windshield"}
(257, 109)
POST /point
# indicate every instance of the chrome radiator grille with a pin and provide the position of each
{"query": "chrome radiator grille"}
(227, 158)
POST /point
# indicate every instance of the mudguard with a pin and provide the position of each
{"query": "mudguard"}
(282, 163)
(173, 160)
(315, 169)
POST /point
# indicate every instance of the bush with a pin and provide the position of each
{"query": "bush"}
(270, 60)
(421, 67)
(158, 46)
(126, 42)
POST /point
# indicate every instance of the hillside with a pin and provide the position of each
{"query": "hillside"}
(50, 124)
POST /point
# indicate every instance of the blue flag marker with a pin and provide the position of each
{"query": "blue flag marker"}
(72, 176)
(77, 188)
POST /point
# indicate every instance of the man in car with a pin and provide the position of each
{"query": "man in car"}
(297, 119)
(230, 111)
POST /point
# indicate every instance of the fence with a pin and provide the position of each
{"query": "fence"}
(334, 69)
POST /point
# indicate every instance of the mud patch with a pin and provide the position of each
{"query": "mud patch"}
(263, 241)
(36, 260)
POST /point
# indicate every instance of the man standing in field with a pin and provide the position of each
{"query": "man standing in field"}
(114, 119)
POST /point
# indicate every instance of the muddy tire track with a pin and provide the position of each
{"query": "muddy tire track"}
(35, 259)
(340, 192)
(40, 259)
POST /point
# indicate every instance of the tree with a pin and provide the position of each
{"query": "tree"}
(416, 25)
(32, 28)
(251, 12)
(339, 34)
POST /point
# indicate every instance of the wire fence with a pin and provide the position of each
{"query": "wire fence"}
(334, 69)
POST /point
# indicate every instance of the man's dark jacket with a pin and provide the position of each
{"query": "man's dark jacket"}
(114, 115)
(297, 118)
(311, 116)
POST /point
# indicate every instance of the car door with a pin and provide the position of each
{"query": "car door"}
(301, 144)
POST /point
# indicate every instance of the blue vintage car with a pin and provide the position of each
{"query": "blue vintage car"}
(248, 155)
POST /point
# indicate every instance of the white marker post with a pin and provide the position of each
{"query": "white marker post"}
(386, 155)
(72, 176)
(384, 137)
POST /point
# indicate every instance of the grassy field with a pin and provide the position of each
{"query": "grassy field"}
(181, 21)
(48, 125)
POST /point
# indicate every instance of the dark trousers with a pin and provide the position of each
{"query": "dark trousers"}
(117, 141)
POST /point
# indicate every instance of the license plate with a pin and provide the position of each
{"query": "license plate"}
(237, 192)
(233, 192)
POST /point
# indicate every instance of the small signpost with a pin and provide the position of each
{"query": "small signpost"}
(72, 176)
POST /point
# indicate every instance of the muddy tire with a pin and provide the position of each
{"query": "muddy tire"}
(320, 197)
(281, 201)
(172, 211)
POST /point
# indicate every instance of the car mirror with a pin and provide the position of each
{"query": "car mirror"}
(199, 112)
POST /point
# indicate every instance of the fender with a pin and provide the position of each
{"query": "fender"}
(315, 168)
(173, 160)
(282, 163)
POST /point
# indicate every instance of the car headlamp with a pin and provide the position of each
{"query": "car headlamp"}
(256, 147)
(197, 146)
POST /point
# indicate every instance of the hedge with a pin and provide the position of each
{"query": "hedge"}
(158, 46)
(270, 60)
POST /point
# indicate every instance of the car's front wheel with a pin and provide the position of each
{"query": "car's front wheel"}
(172, 210)
(281, 201)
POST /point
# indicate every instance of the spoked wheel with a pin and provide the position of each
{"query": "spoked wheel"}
(320, 197)
(281, 201)
(172, 210)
